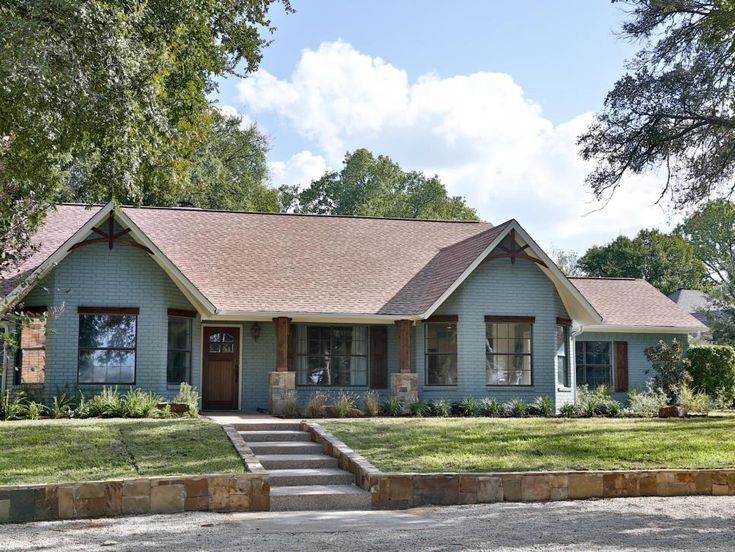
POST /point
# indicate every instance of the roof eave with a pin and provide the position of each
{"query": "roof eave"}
(630, 328)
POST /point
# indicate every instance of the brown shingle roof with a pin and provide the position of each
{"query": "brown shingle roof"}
(258, 262)
(633, 302)
(60, 225)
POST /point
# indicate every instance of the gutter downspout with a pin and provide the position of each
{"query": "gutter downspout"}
(3, 359)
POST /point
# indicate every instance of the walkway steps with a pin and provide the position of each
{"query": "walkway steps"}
(284, 447)
(319, 497)
(288, 461)
(309, 476)
(274, 435)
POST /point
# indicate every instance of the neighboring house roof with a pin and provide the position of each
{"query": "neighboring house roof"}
(695, 302)
(634, 303)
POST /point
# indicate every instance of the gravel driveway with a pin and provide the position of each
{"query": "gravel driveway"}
(661, 524)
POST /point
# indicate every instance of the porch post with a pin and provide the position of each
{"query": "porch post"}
(281, 383)
(404, 385)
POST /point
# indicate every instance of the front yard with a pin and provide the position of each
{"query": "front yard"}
(527, 444)
(50, 451)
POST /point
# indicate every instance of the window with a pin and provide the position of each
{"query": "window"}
(178, 366)
(441, 353)
(332, 355)
(508, 352)
(221, 343)
(107, 348)
(594, 363)
(563, 374)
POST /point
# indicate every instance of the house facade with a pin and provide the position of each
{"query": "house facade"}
(250, 308)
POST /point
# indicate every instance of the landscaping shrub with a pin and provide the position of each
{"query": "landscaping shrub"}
(700, 403)
(491, 407)
(647, 403)
(290, 407)
(543, 406)
(440, 408)
(34, 410)
(713, 371)
(517, 408)
(372, 403)
(597, 403)
(139, 404)
(107, 404)
(567, 410)
(317, 405)
(392, 407)
(670, 371)
(419, 408)
(466, 407)
(188, 395)
(63, 404)
(343, 404)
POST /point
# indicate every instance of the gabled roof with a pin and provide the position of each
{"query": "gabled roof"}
(630, 303)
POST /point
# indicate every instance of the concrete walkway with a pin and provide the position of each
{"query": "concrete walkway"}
(647, 524)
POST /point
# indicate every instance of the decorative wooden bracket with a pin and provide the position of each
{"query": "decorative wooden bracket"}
(515, 251)
(111, 237)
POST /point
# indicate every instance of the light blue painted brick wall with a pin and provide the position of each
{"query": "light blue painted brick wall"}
(497, 288)
(121, 277)
(639, 369)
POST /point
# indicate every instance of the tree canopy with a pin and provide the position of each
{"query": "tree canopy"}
(675, 107)
(667, 261)
(377, 186)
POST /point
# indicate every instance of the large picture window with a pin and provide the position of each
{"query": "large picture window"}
(594, 363)
(441, 353)
(107, 348)
(332, 355)
(563, 373)
(508, 348)
(178, 367)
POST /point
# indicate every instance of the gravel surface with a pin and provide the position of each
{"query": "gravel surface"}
(660, 524)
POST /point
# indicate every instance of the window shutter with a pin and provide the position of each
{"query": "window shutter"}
(378, 357)
(293, 346)
(621, 366)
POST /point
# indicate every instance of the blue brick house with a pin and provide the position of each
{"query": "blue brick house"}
(251, 308)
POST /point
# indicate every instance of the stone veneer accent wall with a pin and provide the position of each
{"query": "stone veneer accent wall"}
(159, 495)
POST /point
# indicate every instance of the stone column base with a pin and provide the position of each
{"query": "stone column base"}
(404, 387)
(281, 387)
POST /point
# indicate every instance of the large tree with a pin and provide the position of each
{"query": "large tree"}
(675, 107)
(711, 230)
(667, 261)
(114, 93)
(377, 186)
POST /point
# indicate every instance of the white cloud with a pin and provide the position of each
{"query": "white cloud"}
(231, 112)
(479, 132)
(299, 170)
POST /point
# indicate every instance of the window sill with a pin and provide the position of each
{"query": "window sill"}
(507, 386)
(440, 386)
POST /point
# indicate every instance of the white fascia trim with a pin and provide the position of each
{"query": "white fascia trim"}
(54, 259)
(182, 282)
(541, 255)
(611, 328)
(337, 318)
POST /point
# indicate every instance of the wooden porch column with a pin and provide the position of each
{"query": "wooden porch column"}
(404, 345)
(282, 326)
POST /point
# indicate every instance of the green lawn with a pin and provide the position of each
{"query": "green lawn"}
(76, 450)
(496, 444)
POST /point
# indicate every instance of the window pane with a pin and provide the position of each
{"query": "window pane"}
(441, 338)
(179, 366)
(441, 369)
(99, 331)
(508, 347)
(106, 366)
(179, 333)
(594, 363)
(332, 355)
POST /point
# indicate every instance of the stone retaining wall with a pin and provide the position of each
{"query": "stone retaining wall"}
(406, 490)
(161, 495)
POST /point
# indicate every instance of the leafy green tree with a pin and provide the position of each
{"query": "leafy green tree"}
(711, 230)
(675, 107)
(669, 368)
(567, 261)
(667, 261)
(114, 93)
(377, 186)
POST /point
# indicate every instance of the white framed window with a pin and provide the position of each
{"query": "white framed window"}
(332, 355)
(594, 363)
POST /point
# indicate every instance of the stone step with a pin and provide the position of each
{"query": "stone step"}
(268, 426)
(285, 461)
(319, 497)
(274, 435)
(310, 476)
(285, 447)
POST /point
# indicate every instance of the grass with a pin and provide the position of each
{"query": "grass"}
(528, 444)
(50, 451)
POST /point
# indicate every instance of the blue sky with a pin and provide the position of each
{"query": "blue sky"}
(489, 95)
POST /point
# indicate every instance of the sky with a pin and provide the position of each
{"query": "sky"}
(489, 95)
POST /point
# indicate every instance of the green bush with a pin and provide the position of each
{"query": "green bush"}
(343, 404)
(567, 410)
(139, 404)
(597, 403)
(669, 369)
(700, 403)
(517, 408)
(419, 408)
(491, 407)
(392, 407)
(317, 405)
(466, 407)
(63, 404)
(713, 371)
(107, 404)
(34, 410)
(647, 403)
(13, 407)
(440, 408)
(188, 395)
(372, 403)
(542, 406)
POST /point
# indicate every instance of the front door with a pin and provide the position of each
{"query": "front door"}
(220, 368)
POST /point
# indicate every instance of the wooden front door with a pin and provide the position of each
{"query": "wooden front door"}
(220, 368)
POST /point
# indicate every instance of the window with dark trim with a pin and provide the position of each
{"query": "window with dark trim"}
(107, 346)
(332, 355)
(178, 363)
(563, 373)
(441, 352)
(594, 363)
(509, 350)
